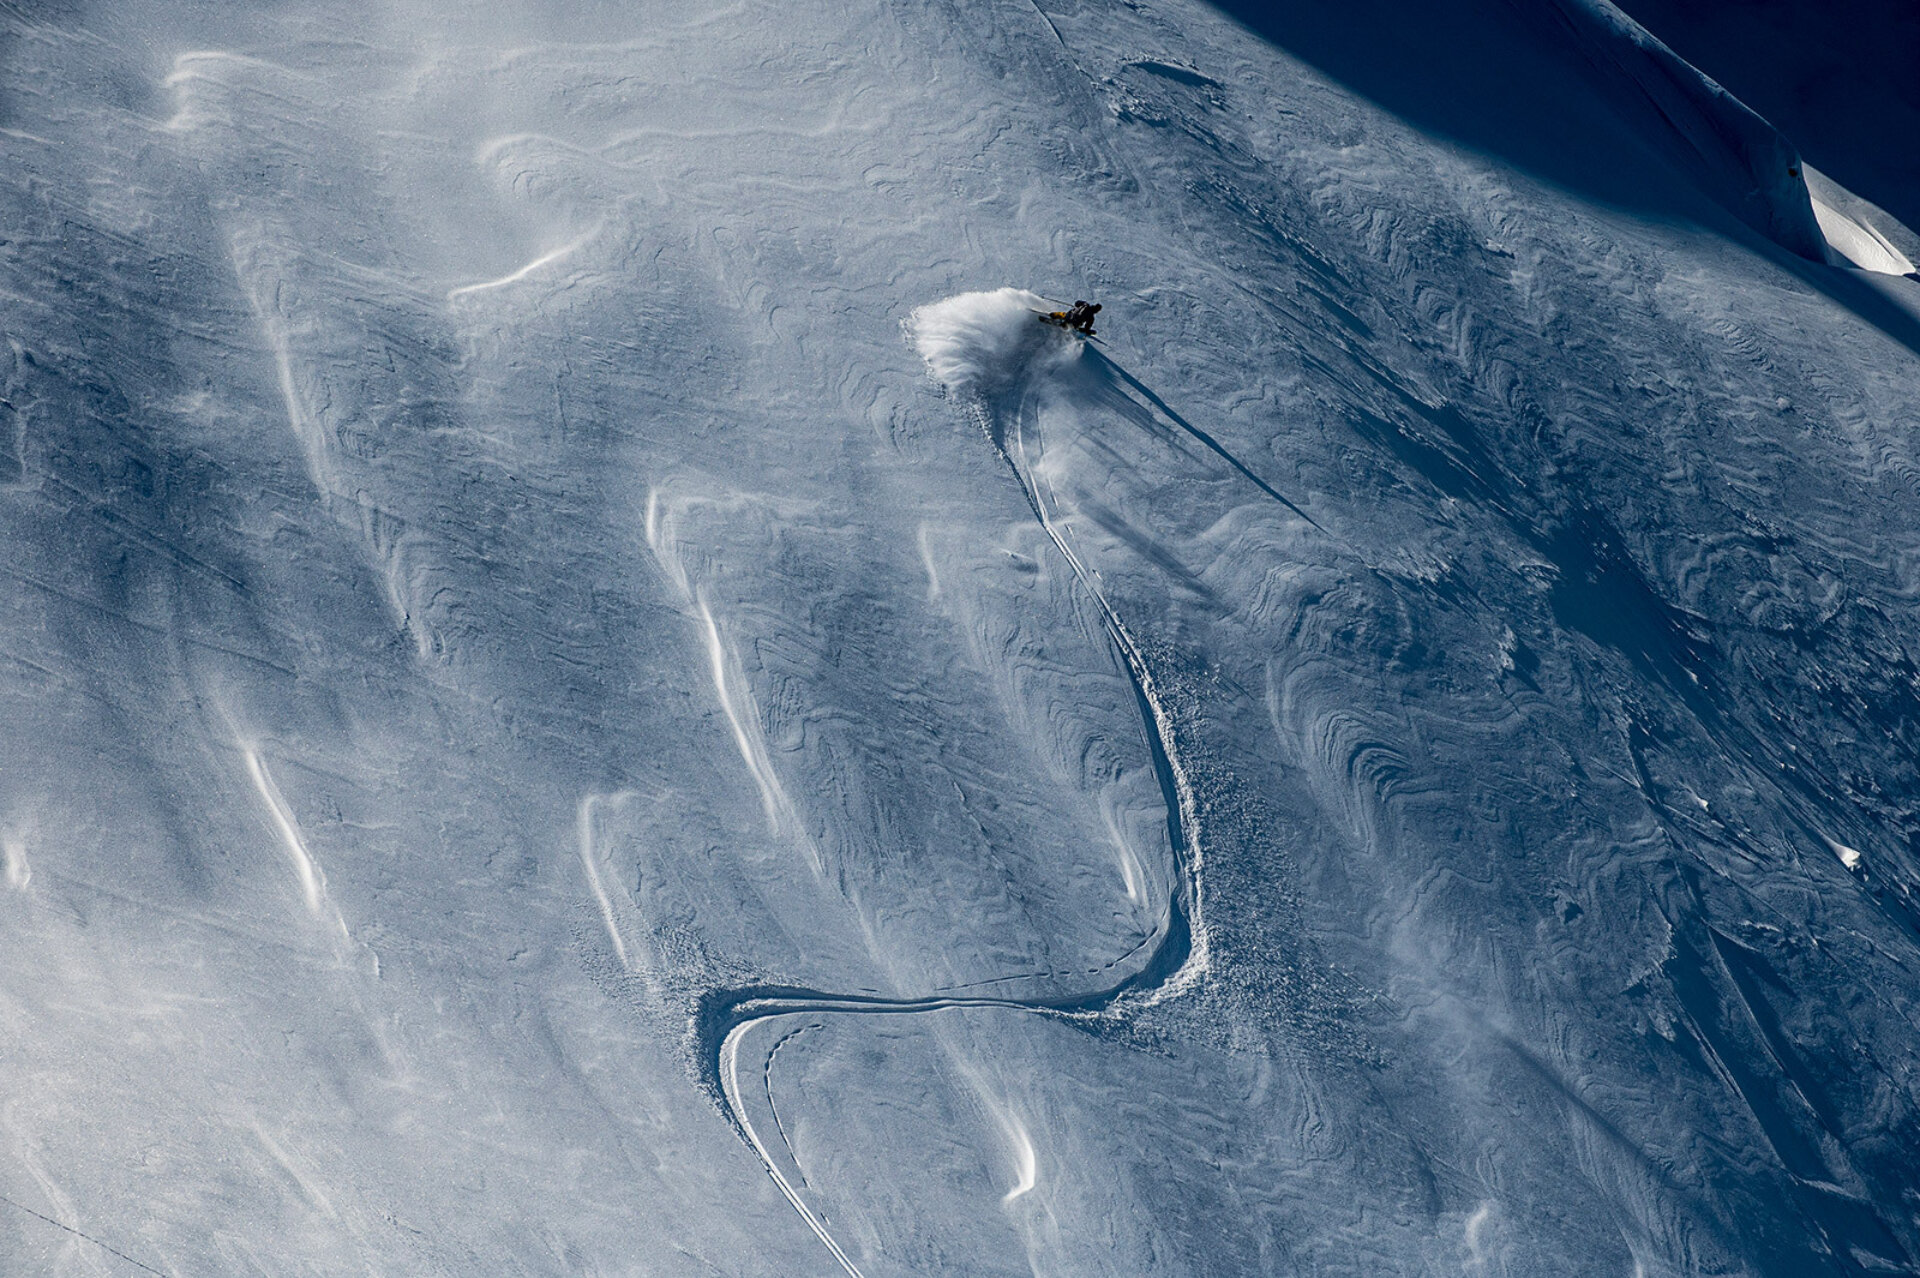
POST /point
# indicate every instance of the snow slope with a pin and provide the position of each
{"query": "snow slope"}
(1836, 77)
(586, 692)
(1852, 228)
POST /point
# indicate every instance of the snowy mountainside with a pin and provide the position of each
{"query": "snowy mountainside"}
(587, 690)
(1836, 77)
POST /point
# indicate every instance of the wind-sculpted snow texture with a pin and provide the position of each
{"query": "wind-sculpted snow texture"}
(988, 348)
(1837, 78)
(587, 690)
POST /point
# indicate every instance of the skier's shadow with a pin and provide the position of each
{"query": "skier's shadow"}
(1113, 387)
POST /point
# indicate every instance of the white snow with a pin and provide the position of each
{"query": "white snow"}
(313, 885)
(461, 470)
(743, 720)
(539, 263)
(1858, 242)
(926, 560)
(19, 871)
(747, 1089)
(978, 343)
(1026, 1163)
(590, 863)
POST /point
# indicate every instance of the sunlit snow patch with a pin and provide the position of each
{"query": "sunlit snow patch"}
(514, 277)
(13, 854)
(1859, 242)
(980, 343)
(1861, 233)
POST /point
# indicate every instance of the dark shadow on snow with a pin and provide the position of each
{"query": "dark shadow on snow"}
(1840, 77)
(1108, 384)
(1516, 81)
(1490, 75)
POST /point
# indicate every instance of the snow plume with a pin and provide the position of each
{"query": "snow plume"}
(981, 343)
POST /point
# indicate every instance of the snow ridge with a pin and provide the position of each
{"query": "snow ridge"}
(1742, 160)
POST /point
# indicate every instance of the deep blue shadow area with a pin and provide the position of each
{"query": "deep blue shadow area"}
(1513, 81)
(1505, 79)
(1839, 77)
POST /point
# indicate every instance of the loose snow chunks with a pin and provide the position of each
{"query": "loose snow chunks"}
(982, 343)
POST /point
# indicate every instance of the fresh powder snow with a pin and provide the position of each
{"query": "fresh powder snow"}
(588, 689)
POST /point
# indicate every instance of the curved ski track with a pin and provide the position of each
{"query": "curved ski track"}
(1176, 961)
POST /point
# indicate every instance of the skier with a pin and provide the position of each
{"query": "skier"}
(1077, 319)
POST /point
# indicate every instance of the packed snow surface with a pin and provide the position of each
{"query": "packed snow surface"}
(585, 689)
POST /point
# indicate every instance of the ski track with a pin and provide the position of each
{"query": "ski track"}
(1179, 954)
